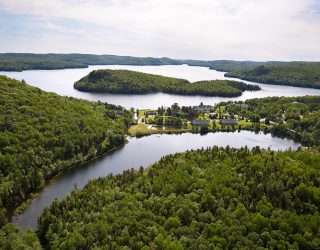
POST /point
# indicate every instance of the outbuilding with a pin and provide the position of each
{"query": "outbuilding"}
(228, 122)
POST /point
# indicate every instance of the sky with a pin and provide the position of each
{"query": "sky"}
(259, 30)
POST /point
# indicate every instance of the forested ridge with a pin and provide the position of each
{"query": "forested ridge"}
(296, 73)
(29, 61)
(291, 74)
(43, 133)
(212, 198)
(132, 82)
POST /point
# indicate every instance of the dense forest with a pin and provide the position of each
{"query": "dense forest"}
(291, 74)
(42, 133)
(212, 198)
(12, 238)
(132, 82)
(28, 61)
(294, 117)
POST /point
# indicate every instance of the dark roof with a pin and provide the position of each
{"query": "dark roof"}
(151, 112)
(228, 122)
(200, 123)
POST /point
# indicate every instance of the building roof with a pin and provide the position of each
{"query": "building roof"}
(228, 122)
(151, 112)
(201, 123)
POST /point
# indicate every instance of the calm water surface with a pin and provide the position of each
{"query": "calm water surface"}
(61, 82)
(141, 152)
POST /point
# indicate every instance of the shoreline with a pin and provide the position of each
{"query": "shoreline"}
(13, 218)
(11, 213)
(182, 131)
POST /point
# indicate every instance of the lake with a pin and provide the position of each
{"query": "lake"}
(147, 150)
(141, 152)
(61, 82)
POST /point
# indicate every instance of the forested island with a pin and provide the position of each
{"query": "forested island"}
(42, 133)
(132, 82)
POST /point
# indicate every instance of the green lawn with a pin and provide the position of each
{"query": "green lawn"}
(244, 123)
(139, 130)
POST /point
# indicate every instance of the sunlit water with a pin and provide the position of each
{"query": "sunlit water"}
(61, 82)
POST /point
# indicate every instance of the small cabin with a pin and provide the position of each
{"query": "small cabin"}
(228, 122)
(200, 123)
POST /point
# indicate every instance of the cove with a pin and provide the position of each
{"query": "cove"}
(141, 152)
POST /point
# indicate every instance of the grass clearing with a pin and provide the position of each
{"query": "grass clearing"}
(139, 130)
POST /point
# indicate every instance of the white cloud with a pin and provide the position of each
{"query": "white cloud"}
(204, 29)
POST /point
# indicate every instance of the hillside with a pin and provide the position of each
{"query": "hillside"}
(43, 133)
(29, 61)
(201, 199)
(132, 82)
(290, 74)
(224, 65)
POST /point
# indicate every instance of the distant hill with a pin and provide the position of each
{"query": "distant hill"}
(28, 61)
(132, 82)
(296, 74)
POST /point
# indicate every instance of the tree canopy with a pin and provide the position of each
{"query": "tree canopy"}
(201, 199)
(11, 237)
(296, 74)
(132, 82)
(29, 61)
(43, 133)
